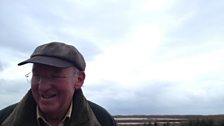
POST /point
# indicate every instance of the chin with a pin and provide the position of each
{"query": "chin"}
(48, 108)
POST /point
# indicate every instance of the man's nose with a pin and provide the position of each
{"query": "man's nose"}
(44, 83)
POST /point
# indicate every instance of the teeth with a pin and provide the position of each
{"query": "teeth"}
(47, 96)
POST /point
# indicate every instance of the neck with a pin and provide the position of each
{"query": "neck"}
(55, 118)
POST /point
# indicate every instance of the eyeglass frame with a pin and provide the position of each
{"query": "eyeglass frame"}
(52, 77)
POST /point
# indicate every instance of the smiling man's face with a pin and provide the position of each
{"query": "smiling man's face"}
(53, 88)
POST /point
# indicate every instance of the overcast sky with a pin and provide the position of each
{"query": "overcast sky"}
(143, 56)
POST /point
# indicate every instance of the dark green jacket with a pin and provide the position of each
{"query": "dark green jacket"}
(84, 113)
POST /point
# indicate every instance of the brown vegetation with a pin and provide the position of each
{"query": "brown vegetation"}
(162, 120)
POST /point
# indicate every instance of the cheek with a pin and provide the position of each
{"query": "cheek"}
(65, 93)
(68, 87)
(34, 87)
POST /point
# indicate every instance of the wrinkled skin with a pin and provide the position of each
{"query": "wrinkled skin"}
(53, 89)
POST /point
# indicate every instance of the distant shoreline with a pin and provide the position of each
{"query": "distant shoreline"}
(137, 119)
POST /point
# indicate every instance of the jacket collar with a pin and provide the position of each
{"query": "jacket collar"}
(25, 112)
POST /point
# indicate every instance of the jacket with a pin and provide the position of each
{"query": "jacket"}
(84, 113)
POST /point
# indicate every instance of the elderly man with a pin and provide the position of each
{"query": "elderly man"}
(56, 98)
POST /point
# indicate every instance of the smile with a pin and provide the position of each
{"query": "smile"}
(48, 96)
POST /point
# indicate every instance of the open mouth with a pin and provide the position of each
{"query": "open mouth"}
(48, 96)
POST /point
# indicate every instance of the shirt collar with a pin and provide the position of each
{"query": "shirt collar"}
(41, 117)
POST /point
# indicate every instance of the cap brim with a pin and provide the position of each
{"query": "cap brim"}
(51, 61)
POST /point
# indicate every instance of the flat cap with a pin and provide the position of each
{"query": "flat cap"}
(57, 54)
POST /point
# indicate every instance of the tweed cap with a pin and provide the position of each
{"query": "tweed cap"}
(57, 54)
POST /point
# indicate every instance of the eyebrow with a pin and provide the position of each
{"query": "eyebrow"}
(54, 70)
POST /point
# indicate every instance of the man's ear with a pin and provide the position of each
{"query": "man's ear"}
(80, 80)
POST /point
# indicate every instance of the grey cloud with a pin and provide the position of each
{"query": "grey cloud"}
(12, 91)
(36, 18)
(146, 100)
(154, 98)
(205, 22)
(29, 25)
(13, 86)
(1, 66)
(26, 24)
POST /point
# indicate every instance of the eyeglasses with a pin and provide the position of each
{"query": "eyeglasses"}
(28, 76)
(53, 77)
